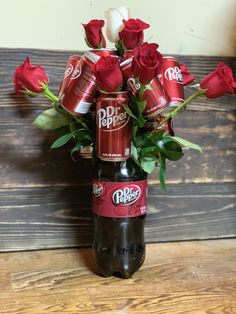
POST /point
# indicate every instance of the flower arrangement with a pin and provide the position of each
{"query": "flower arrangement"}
(131, 67)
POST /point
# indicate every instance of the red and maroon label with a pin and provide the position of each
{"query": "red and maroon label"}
(113, 140)
(120, 199)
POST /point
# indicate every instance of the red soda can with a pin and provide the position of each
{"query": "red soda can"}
(94, 55)
(125, 67)
(113, 128)
(79, 93)
(128, 54)
(172, 80)
(153, 124)
(157, 99)
(103, 52)
(128, 78)
(70, 66)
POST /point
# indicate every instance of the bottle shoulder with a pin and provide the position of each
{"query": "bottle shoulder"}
(124, 171)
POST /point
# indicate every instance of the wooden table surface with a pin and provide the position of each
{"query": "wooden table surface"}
(181, 277)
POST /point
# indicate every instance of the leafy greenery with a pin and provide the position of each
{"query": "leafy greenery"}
(152, 150)
(52, 119)
(149, 151)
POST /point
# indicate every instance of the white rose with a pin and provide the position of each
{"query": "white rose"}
(114, 22)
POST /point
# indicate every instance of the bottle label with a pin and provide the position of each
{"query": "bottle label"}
(120, 199)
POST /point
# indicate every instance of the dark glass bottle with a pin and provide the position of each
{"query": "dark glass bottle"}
(119, 245)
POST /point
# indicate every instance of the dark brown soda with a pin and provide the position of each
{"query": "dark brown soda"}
(118, 245)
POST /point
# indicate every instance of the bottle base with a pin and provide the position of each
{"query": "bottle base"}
(119, 274)
(109, 266)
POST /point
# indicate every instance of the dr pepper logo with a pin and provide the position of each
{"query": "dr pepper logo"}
(126, 195)
(97, 189)
(174, 74)
(112, 118)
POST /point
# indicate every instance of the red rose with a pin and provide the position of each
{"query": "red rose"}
(219, 82)
(188, 78)
(146, 63)
(132, 33)
(29, 77)
(93, 32)
(108, 73)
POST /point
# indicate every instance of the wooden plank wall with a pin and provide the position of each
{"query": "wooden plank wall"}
(45, 197)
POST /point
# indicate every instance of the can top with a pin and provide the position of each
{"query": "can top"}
(125, 62)
(108, 93)
(169, 57)
(91, 56)
(102, 49)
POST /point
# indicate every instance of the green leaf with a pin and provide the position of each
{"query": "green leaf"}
(141, 121)
(150, 150)
(148, 164)
(128, 110)
(83, 134)
(51, 119)
(120, 47)
(134, 151)
(141, 106)
(156, 136)
(138, 140)
(170, 149)
(162, 171)
(135, 154)
(62, 140)
(148, 86)
(76, 148)
(134, 131)
(186, 143)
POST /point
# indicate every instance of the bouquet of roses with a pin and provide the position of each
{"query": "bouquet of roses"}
(153, 83)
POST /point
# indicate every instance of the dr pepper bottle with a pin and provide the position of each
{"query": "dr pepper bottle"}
(119, 207)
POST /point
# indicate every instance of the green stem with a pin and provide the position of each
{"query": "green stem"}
(141, 91)
(78, 119)
(48, 97)
(48, 94)
(171, 114)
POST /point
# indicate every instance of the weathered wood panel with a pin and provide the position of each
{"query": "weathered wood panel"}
(45, 196)
(53, 217)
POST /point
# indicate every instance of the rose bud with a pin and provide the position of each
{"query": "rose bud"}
(114, 22)
(146, 63)
(93, 34)
(28, 78)
(188, 78)
(108, 73)
(132, 33)
(219, 82)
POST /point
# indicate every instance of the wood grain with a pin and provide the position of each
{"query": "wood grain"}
(45, 197)
(55, 217)
(185, 277)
